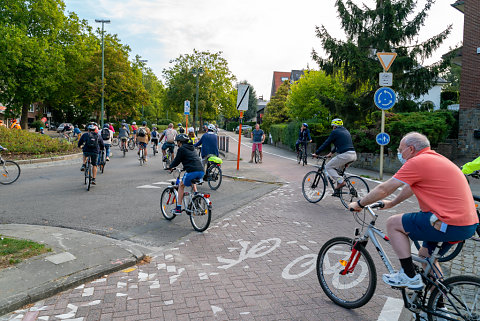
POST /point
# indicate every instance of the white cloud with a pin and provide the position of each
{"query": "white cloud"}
(257, 37)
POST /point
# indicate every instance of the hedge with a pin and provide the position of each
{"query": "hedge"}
(287, 134)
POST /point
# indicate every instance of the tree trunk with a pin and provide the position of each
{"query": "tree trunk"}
(24, 118)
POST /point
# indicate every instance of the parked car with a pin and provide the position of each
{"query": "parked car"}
(244, 128)
(60, 127)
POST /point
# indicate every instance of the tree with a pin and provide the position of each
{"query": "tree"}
(385, 28)
(31, 59)
(315, 95)
(276, 111)
(252, 102)
(154, 109)
(215, 85)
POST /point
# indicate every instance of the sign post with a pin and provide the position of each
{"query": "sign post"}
(384, 99)
(242, 104)
(186, 111)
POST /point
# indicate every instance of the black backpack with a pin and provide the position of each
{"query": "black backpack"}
(105, 134)
(141, 132)
(92, 141)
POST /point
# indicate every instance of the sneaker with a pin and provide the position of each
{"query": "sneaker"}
(250, 161)
(82, 169)
(260, 161)
(108, 159)
(93, 181)
(145, 159)
(177, 211)
(401, 280)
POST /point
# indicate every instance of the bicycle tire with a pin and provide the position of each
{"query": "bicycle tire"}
(314, 185)
(141, 157)
(257, 156)
(214, 177)
(350, 281)
(124, 149)
(355, 189)
(304, 159)
(115, 141)
(168, 202)
(168, 161)
(89, 177)
(299, 155)
(451, 253)
(460, 288)
(10, 172)
(200, 213)
(131, 144)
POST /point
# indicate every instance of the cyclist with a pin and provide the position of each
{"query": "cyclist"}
(191, 135)
(258, 137)
(41, 131)
(77, 131)
(342, 140)
(447, 210)
(169, 135)
(15, 125)
(191, 164)
(209, 143)
(123, 135)
(67, 130)
(107, 136)
(92, 144)
(180, 129)
(155, 136)
(110, 126)
(142, 138)
(134, 128)
(303, 137)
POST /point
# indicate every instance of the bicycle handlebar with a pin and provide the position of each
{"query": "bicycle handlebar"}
(476, 198)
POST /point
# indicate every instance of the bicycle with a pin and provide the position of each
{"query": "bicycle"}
(68, 136)
(102, 160)
(257, 154)
(196, 205)
(141, 156)
(154, 148)
(88, 172)
(344, 265)
(115, 141)
(9, 170)
(213, 174)
(131, 143)
(168, 157)
(124, 146)
(315, 183)
(302, 154)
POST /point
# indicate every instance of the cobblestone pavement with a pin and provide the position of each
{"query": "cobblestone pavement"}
(258, 263)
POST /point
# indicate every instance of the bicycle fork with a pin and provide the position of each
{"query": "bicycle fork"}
(353, 260)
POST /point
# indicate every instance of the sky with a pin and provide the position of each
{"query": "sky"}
(256, 37)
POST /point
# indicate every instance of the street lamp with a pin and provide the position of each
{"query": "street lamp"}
(143, 61)
(197, 72)
(102, 21)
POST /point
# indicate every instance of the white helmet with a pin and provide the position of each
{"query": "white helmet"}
(134, 123)
(211, 127)
(191, 130)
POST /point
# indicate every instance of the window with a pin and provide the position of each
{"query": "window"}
(32, 109)
(284, 78)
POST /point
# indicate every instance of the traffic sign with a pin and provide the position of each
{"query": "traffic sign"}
(242, 97)
(385, 98)
(186, 107)
(385, 78)
(383, 139)
(386, 59)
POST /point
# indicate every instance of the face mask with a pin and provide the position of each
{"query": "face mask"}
(400, 158)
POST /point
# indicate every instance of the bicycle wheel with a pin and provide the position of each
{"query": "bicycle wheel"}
(257, 156)
(304, 159)
(200, 214)
(314, 185)
(168, 161)
(115, 141)
(131, 144)
(9, 172)
(451, 253)
(354, 288)
(168, 202)
(214, 176)
(462, 295)
(141, 157)
(355, 189)
(124, 149)
(299, 155)
(89, 180)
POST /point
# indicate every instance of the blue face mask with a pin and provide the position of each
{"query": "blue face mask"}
(400, 158)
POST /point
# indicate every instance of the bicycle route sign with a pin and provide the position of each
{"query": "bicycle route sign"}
(186, 107)
(383, 139)
(385, 98)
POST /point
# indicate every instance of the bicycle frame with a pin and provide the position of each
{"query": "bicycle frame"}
(321, 169)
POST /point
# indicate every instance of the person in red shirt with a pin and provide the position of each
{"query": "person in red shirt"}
(447, 210)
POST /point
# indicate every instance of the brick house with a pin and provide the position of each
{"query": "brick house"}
(280, 76)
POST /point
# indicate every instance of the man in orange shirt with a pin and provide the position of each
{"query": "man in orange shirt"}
(447, 211)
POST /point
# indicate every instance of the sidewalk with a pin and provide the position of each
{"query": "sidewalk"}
(76, 257)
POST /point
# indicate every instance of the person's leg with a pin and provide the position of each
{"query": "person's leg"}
(94, 172)
(296, 146)
(145, 149)
(164, 150)
(107, 150)
(260, 147)
(181, 190)
(398, 237)
(331, 166)
(253, 153)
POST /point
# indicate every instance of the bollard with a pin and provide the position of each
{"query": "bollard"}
(226, 146)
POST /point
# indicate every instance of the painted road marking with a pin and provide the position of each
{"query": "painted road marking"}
(391, 310)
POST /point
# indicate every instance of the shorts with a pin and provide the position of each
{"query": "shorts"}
(257, 144)
(167, 145)
(93, 157)
(187, 178)
(124, 138)
(141, 144)
(420, 229)
(154, 140)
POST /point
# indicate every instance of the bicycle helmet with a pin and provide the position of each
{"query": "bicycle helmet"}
(182, 138)
(134, 123)
(211, 127)
(337, 122)
(144, 123)
(191, 130)
(91, 127)
(305, 124)
(106, 126)
(179, 124)
(41, 127)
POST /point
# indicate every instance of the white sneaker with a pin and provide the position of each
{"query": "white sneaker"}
(401, 280)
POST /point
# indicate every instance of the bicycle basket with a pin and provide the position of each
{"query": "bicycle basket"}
(215, 159)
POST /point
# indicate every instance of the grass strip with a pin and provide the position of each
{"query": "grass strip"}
(13, 251)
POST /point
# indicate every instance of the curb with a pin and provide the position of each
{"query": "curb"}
(245, 179)
(49, 159)
(51, 288)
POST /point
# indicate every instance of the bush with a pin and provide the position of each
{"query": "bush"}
(165, 122)
(287, 134)
(24, 142)
(37, 124)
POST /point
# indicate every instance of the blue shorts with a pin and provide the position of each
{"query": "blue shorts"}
(420, 229)
(167, 145)
(144, 145)
(187, 178)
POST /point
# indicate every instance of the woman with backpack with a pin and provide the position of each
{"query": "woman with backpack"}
(107, 136)
(142, 138)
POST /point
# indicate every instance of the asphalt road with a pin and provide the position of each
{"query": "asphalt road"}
(124, 204)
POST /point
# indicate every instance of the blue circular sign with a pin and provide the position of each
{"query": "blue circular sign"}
(383, 139)
(385, 98)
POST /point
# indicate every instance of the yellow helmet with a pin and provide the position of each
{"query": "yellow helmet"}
(337, 122)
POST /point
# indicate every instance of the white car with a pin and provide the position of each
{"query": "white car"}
(244, 128)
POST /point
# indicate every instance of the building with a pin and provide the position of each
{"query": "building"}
(433, 96)
(280, 76)
(261, 104)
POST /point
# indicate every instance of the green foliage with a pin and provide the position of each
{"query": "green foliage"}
(164, 121)
(287, 134)
(315, 95)
(13, 251)
(452, 75)
(450, 96)
(276, 111)
(37, 124)
(24, 142)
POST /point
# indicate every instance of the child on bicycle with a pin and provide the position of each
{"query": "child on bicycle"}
(191, 164)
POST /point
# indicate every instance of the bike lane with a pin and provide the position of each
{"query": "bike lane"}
(257, 263)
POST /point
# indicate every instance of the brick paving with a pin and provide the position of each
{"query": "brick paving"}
(257, 263)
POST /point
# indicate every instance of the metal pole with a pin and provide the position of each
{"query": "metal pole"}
(196, 103)
(382, 129)
(103, 77)
(142, 102)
